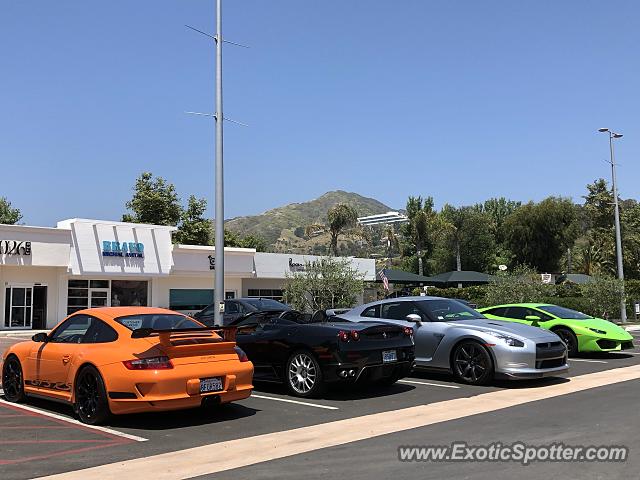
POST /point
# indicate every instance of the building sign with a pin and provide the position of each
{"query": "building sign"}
(13, 247)
(212, 262)
(122, 249)
(295, 267)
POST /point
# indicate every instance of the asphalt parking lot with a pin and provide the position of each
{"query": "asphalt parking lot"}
(42, 438)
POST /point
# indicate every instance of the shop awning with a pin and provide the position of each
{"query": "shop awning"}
(468, 277)
(578, 278)
(400, 276)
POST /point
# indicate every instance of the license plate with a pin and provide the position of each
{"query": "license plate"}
(210, 384)
(389, 356)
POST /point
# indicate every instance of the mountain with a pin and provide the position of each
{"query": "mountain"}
(283, 221)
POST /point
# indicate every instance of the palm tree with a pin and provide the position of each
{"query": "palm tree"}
(393, 242)
(340, 216)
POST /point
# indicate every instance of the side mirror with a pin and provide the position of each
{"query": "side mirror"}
(40, 337)
(534, 319)
(415, 318)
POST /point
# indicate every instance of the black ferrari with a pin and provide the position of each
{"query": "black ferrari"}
(308, 352)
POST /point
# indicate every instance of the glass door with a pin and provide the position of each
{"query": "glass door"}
(98, 297)
(18, 306)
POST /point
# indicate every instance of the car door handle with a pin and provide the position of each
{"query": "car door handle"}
(66, 358)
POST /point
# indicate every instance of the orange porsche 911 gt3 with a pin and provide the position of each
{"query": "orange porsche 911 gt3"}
(119, 360)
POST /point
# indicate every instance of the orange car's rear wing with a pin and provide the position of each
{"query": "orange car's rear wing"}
(227, 334)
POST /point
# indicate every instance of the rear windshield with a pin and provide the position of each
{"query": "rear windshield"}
(565, 313)
(159, 321)
(266, 304)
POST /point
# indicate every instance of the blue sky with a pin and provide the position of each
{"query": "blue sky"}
(461, 100)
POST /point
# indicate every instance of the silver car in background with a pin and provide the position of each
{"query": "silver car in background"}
(451, 336)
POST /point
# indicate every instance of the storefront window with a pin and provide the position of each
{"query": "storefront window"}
(77, 296)
(273, 294)
(183, 299)
(126, 293)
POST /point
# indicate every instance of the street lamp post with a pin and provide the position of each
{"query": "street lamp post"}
(218, 292)
(612, 136)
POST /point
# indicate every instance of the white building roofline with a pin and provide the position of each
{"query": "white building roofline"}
(31, 228)
(67, 224)
(182, 247)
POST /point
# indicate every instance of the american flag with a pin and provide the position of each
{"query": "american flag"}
(385, 280)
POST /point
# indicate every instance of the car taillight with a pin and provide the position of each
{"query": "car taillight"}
(346, 336)
(241, 355)
(408, 331)
(153, 363)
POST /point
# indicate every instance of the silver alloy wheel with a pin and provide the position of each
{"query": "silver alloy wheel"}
(302, 373)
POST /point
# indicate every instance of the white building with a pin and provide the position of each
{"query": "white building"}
(48, 273)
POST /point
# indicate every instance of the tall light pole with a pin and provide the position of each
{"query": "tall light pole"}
(612, 136)
(218, 293)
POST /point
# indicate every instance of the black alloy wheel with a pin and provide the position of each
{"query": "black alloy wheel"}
(569, 339)
(472, 363)
(12, 380)
(91, 402)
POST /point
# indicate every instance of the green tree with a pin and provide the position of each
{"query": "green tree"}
(598, 205)
(340, 217)
(418, 232)
(521, 285)
(194, 228)
(539, 234)
(326, 283)
(154, 202)
(630, 226)
(498, 209)
(253, 241)
(392, 241)
(8, 214)
(466, 241)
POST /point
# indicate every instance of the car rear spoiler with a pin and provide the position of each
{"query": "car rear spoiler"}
(227, 333)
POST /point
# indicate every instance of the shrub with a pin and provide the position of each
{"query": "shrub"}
(520, 286)
(326, 283)
(602, 297)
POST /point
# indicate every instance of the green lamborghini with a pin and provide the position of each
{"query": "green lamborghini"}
(579, 331)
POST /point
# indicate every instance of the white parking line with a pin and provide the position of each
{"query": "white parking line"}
(73, 421)
(415, 382)
(297, 402)
(585, 360)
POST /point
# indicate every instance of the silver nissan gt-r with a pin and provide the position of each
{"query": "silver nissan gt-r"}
(451, 336)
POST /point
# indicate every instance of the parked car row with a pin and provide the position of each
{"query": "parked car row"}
(120, 360)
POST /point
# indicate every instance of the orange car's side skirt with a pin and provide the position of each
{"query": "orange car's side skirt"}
(48, 393)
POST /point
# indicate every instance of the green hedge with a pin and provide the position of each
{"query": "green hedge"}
(592, 299)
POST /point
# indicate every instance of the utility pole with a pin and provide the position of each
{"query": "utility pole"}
(612, 136)
(218, 293)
